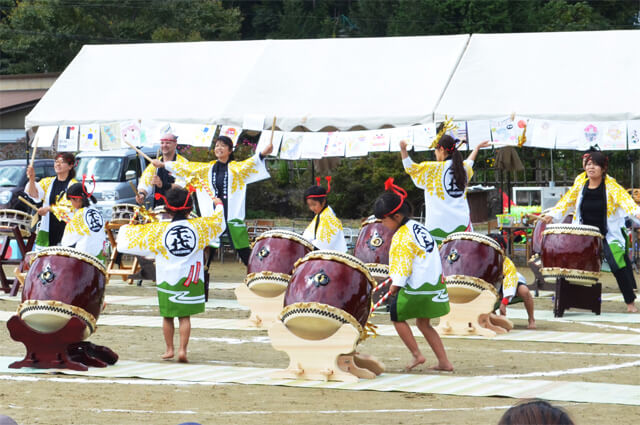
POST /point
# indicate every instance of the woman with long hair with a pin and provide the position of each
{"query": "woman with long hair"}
(225, 179)
(445, 182)
(601, 202)
(51, 190)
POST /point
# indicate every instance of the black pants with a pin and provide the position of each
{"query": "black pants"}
(626, 282)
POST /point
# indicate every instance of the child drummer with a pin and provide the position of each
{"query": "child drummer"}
(325, 230)
(178, 246)
(85, 228)
(417, 289)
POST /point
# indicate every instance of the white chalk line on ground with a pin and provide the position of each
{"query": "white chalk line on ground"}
(577, 353)
(267, 412)
(602, 326)
(119, 381)
(575, 371)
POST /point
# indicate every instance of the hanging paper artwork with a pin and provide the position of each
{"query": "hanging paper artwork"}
(614, 135)
(379, 140)
(291, 145)
(633, 134)
(459, 130)
(110, 136)
(423, 136)
(397, 135)
(194, 134)
(68, 138)
(231, 132)
(89, 137)
(477, 132)
(357, 143)
(131, 133)
(541, 133)
(335, 145)
(504, 132)
(253, 122)
(263, 142)
(313, 145)
(152, 131)
(44, 136)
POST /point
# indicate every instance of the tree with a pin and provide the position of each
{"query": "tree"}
(45, 35)
(559, 15)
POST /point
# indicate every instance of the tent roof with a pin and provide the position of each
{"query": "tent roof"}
(318, 83)
(573, 76)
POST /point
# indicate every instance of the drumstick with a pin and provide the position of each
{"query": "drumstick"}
(27, 203)
(379, 303)
(381, 285)
(33, 154)
(273, 127)
(133, 186)
(144, 155)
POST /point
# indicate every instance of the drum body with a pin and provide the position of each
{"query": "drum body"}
(571, 251)
(61, 283)
(272, 259)
(372, 247)
(327, 290)
(536, 240)
(471, 263)
(12, 218)
(123, 213)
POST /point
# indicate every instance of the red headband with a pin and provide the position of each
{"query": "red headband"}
(190, 189)
(328, 179)
(84, 179)
(388, 185)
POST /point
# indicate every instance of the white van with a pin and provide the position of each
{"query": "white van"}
(113, 170)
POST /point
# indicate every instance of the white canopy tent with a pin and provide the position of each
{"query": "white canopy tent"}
(341, 83)
(571, 76)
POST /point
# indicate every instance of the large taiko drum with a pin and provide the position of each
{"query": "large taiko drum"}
(273, 257)
(572, 252)
(536, 239)
(61, 283)
(372, 247)
(12, 218)
(327, 290)
(471, 263)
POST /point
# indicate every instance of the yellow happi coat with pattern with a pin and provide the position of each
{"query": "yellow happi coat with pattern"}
(445, 206)
(178, 249)
(325, 231)
(85, 232)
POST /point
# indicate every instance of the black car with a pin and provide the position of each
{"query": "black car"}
(13, 179)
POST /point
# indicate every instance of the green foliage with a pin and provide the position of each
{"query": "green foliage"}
(44, 35)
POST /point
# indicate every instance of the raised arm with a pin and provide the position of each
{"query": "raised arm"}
(472, 156)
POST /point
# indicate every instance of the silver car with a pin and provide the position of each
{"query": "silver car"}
(115, 172)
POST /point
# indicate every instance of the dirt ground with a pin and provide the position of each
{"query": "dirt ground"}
(61, 399)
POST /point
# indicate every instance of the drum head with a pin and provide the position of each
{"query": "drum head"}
(316, 321)
(268, 284)
(50, 316)
(463, 289)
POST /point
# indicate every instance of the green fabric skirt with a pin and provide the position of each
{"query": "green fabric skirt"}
(428, 301)
(180, 300)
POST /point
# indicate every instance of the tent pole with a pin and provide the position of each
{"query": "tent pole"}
(552, 180)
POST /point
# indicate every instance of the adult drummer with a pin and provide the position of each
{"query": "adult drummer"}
(226, 179)
(159, 180)
(445, 184)
(600, 201)
(51, 191)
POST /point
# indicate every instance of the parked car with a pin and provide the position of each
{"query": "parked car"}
(13, 179)
(114, 171)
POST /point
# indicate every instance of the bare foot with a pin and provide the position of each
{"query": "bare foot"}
(444, 367)
(167, 355)
(182, 357)
(417, 360)
(532, 324)
(631, 308)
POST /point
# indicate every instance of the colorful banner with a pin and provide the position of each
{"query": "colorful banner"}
(335, 145)
(89, 137)
(110, 136)
(291, 145)
(231, 132)
(68, 138)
